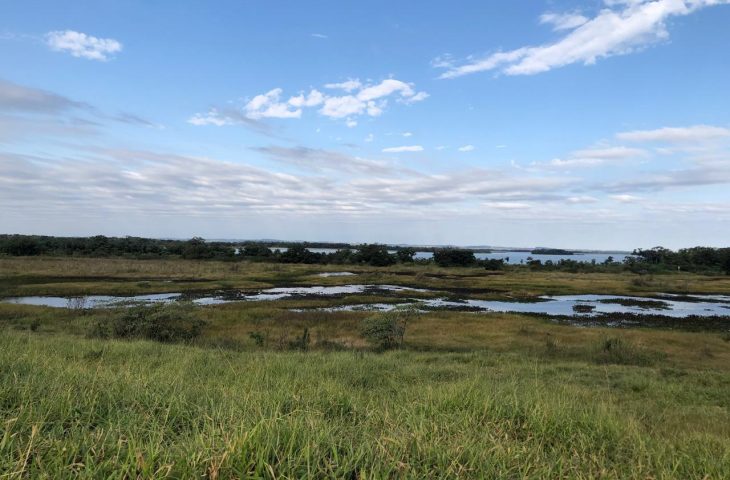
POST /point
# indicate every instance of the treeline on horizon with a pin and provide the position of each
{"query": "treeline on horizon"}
(657, 259)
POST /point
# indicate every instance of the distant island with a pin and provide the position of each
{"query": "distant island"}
(551, 251)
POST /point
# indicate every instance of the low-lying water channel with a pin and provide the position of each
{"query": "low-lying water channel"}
(666, 305)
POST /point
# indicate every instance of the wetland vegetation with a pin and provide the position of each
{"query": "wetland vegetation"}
(300, 386)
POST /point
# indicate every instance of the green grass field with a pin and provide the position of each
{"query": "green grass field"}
(468, 396)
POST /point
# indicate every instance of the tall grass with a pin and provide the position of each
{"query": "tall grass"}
(80, 408)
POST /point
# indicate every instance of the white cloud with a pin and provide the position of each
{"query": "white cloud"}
(319, 35)
(593, 157)
(370, 99)
(213, 117)
(348, 85)
(582, 199)
(418, 97)
(351, 123)
(384, 89)
(407, 134)
(467, 148)
(405, 148)
(370, 137)
(676, 134)
(312, 100)
(625, 198)
(623, 27)
(563, 21)
(268, 105)
(82, 45)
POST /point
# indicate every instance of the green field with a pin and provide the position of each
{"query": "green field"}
(468, 395)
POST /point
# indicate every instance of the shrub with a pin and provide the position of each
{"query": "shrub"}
(387, 330)
(301, 343)
(618, 351)
(259, 338)
(175, 322)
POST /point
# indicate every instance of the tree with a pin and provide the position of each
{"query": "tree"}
(405, 255)
(195, 249)
(256, 250)
(299, 254)
(20, 246)
(454, 257)
(374, 254)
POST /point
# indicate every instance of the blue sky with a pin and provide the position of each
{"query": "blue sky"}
(594, 124)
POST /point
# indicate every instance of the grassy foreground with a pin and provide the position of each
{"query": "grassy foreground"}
(469, 395)
(78, 408)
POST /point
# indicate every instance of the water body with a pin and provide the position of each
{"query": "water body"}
(516, 258)
(513, 257)
(575, 305)
(278, 293)
(668, 305)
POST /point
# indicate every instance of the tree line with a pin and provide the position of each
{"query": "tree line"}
(655, 260)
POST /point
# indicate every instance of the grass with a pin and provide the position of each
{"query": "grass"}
(88, 409)
(83, 276)
(469, 395)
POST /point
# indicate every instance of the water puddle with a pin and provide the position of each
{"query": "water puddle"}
(336, 274)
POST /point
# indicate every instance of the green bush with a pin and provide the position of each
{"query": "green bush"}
(174, 322)
(387, 330)
(618, 351)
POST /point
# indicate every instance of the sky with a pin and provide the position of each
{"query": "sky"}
(599, 124)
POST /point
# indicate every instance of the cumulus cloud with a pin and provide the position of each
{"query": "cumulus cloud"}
(82, 45)
(466, 148)
(360, 99)
(404, 148)
(268, 105)
(620, 28)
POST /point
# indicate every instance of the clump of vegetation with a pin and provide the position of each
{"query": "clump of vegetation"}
(175, 322)
(301, 343)
(259, 338)
(583, 308)
(619, 351)
(387, 330)
(641, 303)
(454, 257)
